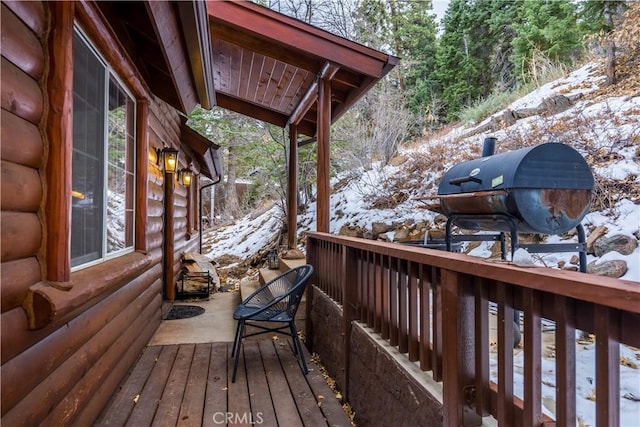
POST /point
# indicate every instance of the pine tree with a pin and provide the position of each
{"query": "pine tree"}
(547, 29)
(414, 34)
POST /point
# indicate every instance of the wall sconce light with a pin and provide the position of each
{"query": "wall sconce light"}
(185, 176)
(169, 156)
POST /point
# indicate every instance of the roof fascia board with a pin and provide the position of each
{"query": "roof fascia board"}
(281, 30)
(195, 26)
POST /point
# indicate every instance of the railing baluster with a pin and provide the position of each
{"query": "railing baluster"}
(564, 311)
(505, 355)
(393, 323)
(532, 358)
(377, 296)
(413, 312)
(403, 344)
(425, 318)
(607, 328)
(386, 294)
(436, 290)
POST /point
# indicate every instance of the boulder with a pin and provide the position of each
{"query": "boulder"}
(595, 235)
(620, 243)
(613, 268)
(378, 228)
(351, 231)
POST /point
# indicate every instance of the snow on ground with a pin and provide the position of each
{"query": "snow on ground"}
(612, 124)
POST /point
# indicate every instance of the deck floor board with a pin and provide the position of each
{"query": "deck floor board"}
(190, 385)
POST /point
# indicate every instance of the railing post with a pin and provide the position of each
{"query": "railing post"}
(350, 308)
(312, 258)
(458, 350)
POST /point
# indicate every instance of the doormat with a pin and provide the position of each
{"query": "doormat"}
(183, 312)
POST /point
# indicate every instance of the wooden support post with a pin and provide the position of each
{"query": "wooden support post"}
(324, 142)
(59, 129)
(350, 308)
(607, 328)
(312, 258)
(292, 188)
(169, 286)
(459, 346)
(142, 171)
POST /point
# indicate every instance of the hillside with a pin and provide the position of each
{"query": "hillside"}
(388, 203)
(574, 110)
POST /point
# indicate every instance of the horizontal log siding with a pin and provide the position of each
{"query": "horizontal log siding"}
(392, 289)
(63, 373)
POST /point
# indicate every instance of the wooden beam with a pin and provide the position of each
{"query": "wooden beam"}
(311, 96)
(323, 155)
(292, 188)
(167, 30)
(195, 26)
(250, 109)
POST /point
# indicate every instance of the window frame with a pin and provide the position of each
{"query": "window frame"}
(111, 74)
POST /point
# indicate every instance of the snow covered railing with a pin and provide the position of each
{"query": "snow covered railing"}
(433, 306)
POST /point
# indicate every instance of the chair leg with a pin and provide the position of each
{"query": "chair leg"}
(236, 340)
(297, 345)
(235, 351)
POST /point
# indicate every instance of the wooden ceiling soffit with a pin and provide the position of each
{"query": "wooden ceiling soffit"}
(167, 28)
(204, 152)
(274, 34)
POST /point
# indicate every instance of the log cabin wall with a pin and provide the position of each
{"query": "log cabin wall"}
(61, 364)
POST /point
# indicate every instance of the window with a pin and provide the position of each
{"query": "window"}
(102, 214)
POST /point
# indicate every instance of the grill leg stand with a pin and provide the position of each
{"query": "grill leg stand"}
(583, 248)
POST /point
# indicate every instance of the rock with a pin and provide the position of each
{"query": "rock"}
(556, 104)
(522, 258)
(293, 254)
(620, 243)
(369, 235)
(416, 235)
(378, 228)
(350, 231)
(401, 235)
(595, 235)
(398, 160)
(613, 268)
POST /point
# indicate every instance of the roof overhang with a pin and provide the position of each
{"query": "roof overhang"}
(204, 152)
(267, 65)
(170, 45)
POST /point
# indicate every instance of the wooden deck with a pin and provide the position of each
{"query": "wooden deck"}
(190, 385)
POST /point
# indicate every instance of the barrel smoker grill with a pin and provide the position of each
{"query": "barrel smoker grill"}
(545, 189)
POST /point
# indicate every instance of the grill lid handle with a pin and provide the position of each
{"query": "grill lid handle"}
(463, 179)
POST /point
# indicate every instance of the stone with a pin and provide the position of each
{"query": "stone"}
(350, 231)
(595, 235)
(378, 228)
(293, 254)
(613, 268)
(620, 243)
(401, 235)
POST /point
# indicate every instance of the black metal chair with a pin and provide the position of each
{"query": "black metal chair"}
(276, 302)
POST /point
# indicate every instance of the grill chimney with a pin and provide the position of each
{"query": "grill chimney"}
(489, 146)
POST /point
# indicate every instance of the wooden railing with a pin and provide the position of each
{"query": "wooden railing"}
(434, 306)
